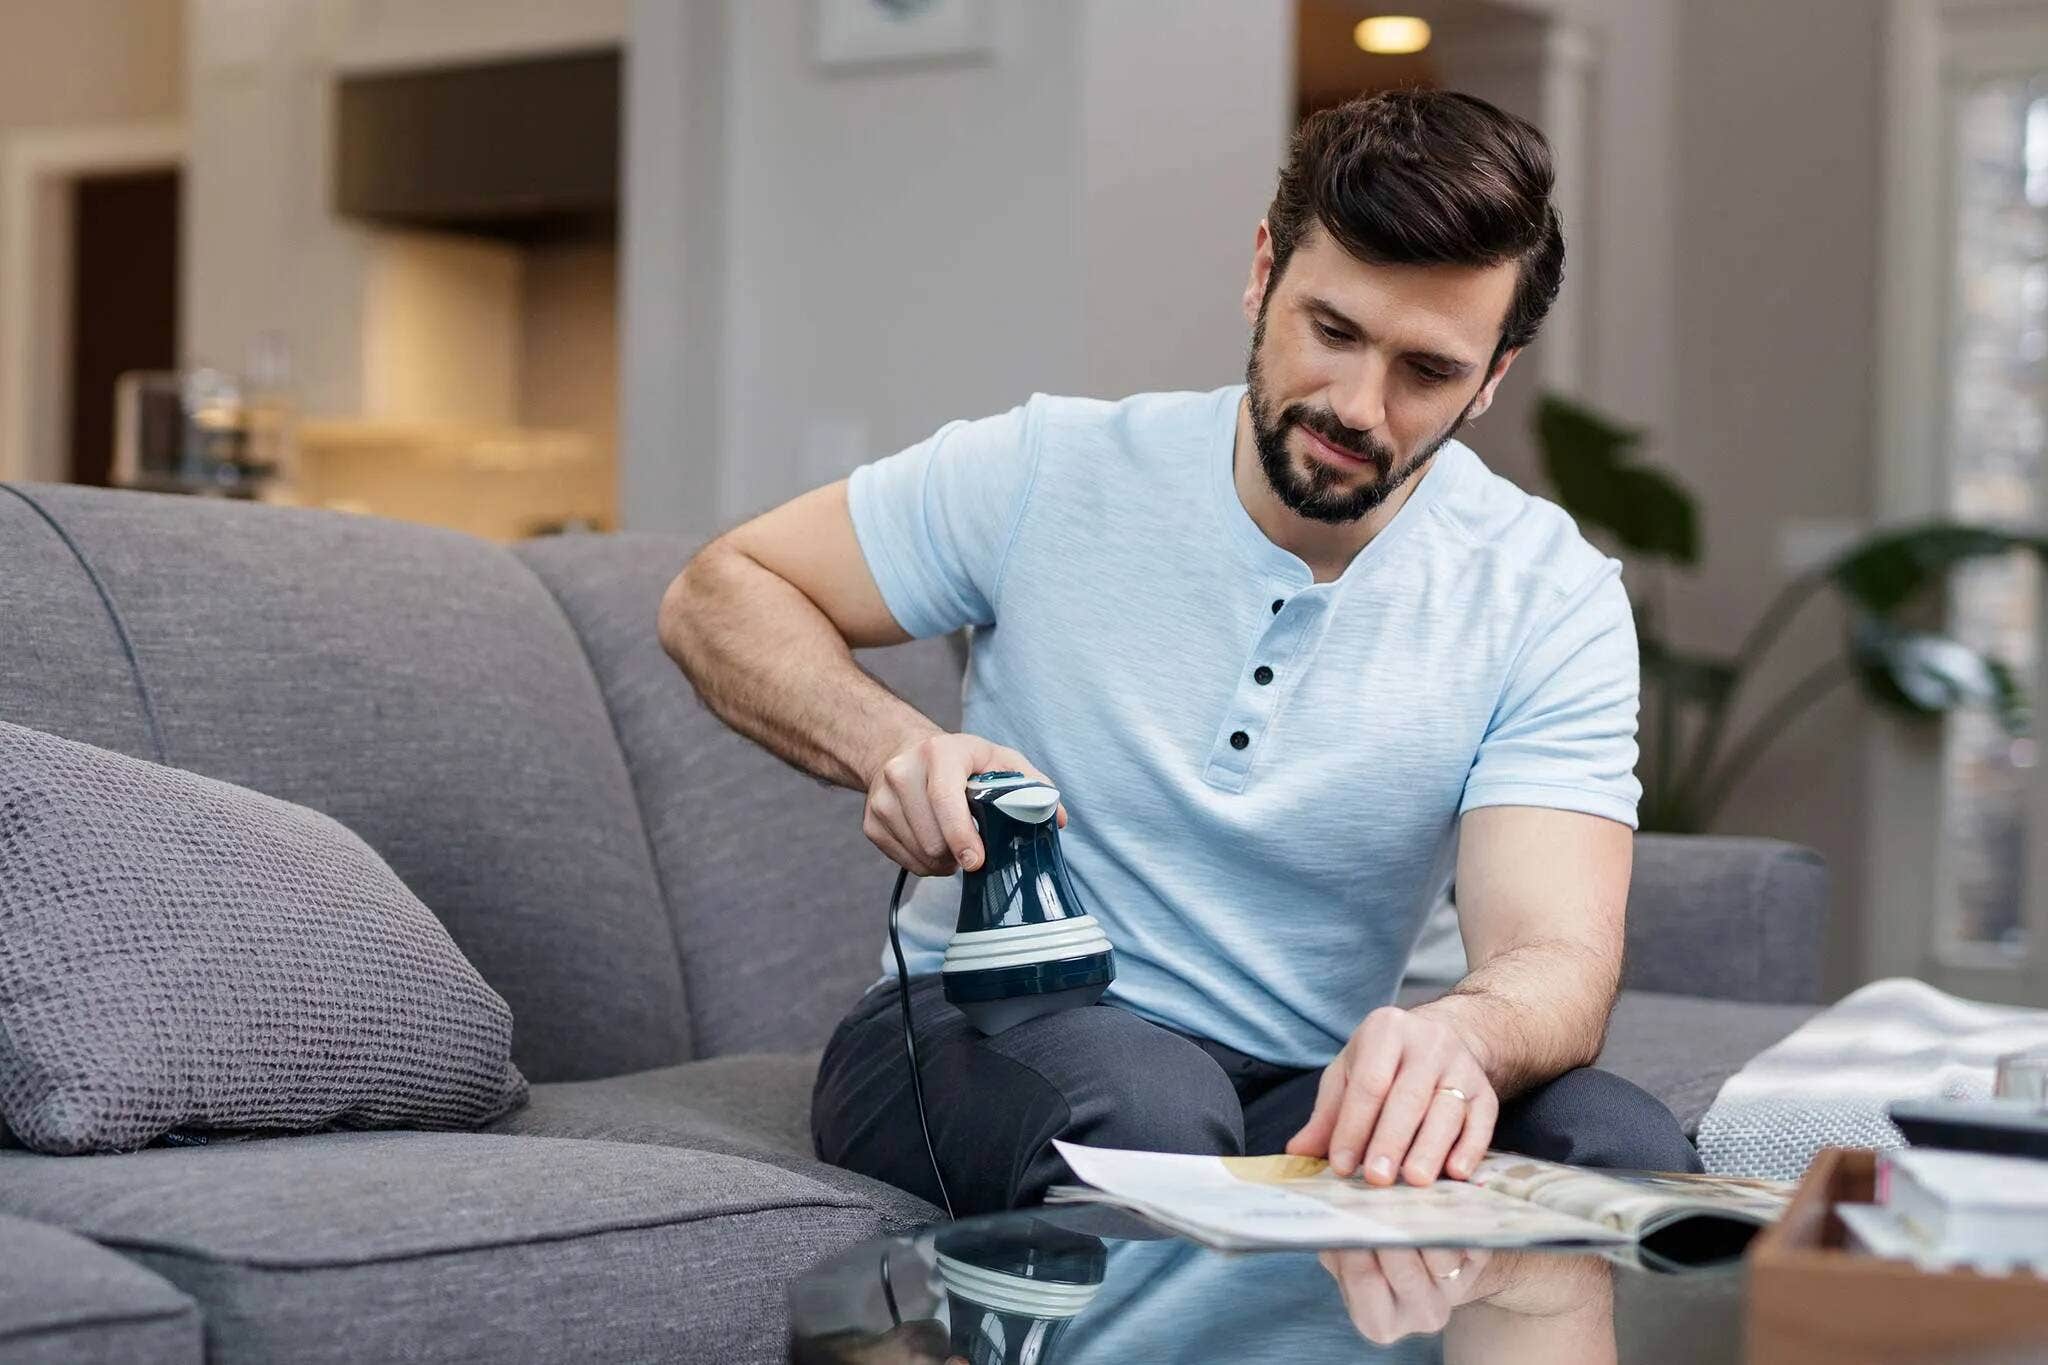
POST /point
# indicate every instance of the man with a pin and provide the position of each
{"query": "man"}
(1292, 656)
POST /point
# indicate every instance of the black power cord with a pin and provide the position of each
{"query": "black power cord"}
(910, 1041)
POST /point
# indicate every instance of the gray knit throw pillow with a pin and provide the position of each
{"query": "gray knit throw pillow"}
(180, 953)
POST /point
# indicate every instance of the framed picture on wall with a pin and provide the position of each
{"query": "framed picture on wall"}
(870, 32)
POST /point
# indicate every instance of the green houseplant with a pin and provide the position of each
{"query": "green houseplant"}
(1693, 756)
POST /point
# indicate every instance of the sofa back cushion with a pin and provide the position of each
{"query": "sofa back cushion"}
(779, 901)
(420, 686)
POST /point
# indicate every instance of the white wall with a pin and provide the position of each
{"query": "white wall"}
(672, 338)
(1623, 257)
(891, 248)
(381, 34)
(262, 252)
(1185, 114)
(901, 248)
(1778, 210)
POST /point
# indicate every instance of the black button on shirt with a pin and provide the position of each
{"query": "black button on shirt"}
(1238, 739)
(1277, 604)
(1262, 675)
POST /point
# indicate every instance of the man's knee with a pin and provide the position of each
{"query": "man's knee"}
(1589, 1117)
(1129, 1083)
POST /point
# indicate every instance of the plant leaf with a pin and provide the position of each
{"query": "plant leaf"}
(2015, 711)
(1889, 569)
(1588, 460)
(1929, 674)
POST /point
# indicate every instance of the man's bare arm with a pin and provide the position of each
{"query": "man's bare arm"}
(1541, 897)
(1540, 903)
(763, 621)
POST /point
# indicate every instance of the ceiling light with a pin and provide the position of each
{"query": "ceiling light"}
(1391, 34)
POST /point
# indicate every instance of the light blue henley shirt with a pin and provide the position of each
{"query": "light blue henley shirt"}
(1260, 853)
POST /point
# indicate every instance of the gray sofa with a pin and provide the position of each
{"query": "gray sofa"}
(676, 919)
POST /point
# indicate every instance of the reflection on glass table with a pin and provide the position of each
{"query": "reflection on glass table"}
(1093, 1286)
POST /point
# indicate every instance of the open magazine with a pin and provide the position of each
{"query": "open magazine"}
(1273, 1202)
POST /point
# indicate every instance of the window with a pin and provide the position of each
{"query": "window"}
(1997, 411)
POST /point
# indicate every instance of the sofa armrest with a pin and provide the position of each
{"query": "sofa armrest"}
(1729, 918)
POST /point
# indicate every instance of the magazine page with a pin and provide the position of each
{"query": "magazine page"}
(1681, 1219)
(1284, 1201)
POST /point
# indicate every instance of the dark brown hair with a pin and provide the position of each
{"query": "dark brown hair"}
(1426, 177)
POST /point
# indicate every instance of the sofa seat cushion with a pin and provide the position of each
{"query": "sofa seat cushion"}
(456, 1246)
(62, 1299)
(753, 1105)
(1681, 1048)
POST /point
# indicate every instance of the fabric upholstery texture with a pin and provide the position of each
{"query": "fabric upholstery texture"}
(1730, 918)
(1682, 1048)
(777, 897)
(64, 1301)
(419, 685)
(177, 952)
(61, 668)
(456, 1246)
(753, 1106)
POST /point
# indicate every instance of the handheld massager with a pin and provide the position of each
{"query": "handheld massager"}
(1023, 945)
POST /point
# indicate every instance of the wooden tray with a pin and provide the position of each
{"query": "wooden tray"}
(1813, 1301)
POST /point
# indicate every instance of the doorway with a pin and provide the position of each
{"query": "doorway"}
(83, 293)
(124, 301)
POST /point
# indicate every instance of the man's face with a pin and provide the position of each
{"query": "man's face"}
(1359, 372)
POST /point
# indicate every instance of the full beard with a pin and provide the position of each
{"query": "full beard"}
(1319, 492)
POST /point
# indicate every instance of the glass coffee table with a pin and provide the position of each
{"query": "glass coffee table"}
(1082, 1286)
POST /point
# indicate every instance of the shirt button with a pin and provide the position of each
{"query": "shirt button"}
(1262, 675)
(1277, 604)
(1238, 739)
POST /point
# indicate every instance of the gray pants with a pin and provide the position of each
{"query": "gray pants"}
(1101, 1075)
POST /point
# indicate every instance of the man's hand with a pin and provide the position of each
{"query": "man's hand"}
(1394, 1292)
(917, 801)
(1392, 1098)
(1521, 1306)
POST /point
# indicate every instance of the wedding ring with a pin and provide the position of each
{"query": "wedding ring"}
(1453, 1273)
(1462, 1098)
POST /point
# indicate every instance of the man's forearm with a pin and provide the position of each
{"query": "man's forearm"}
(771, 665)
(1532, 1012)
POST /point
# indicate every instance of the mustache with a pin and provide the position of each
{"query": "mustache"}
(1324, 423)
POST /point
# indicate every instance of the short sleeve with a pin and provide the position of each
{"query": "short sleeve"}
(1564, 733)
(935, 521)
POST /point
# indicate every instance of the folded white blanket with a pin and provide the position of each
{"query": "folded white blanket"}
(1827, 1084)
